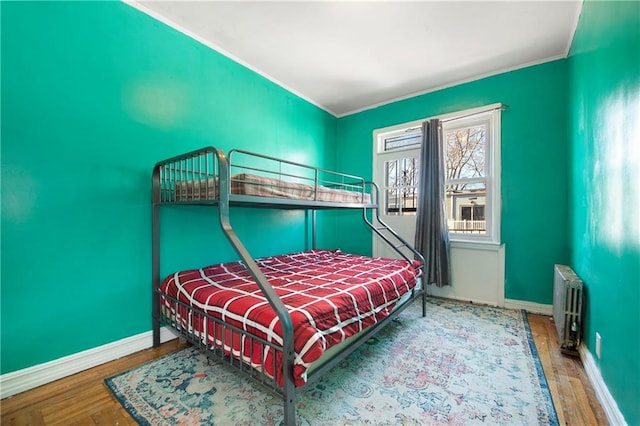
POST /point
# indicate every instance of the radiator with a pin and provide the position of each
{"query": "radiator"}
(567, 307)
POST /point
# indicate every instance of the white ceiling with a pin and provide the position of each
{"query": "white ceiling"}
(346, 56)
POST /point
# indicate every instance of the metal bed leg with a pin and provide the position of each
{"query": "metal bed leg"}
(155, 264)
(289, 409)
(156, 332)
(424, 301)
(289, 388)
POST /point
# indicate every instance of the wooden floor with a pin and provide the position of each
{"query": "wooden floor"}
(83, 399)
(572, 393)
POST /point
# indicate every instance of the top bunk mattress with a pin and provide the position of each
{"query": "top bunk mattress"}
(260, 186)
(329, 294)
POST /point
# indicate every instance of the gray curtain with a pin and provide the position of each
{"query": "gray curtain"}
(432, 235)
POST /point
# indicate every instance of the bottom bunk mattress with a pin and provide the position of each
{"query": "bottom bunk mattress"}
(329, 294)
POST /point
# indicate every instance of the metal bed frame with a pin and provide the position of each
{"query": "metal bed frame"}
(209, 171)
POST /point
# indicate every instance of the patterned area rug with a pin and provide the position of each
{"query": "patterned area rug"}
(462, 364)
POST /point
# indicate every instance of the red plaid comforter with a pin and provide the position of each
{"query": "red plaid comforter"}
(330, 295)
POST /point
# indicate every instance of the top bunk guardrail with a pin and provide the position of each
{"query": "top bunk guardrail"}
(199, 176)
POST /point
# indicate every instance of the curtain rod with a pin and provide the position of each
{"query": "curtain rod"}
(502, 107)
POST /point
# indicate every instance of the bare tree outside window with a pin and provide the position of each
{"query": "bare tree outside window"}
(466, 173)
(465, 153)
(465, 178)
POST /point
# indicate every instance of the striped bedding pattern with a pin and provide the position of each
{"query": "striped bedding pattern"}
(330, 295)
(260, 186)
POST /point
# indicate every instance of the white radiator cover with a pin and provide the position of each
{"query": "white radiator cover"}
(567, 306)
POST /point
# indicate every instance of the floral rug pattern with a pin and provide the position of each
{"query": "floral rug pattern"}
(462, 364)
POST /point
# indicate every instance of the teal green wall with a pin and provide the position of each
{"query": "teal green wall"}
(93, 94)
(534, 172)
(604, 71)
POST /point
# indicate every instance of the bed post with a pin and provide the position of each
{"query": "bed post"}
(313, 229)
(155, 257)
(395, 236)
(424, 299)
(281, 311)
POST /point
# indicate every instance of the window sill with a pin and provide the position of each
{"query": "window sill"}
(476, 245)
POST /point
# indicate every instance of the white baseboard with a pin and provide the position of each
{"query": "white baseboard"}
(609, 405)
(465, 299)
(534, 308)
(31, 377)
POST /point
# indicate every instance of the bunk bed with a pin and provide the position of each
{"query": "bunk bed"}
(281, 320)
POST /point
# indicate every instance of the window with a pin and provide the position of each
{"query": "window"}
(401, 186)
(472, 212)
(466, 147)
(472, 179)
(401, 150)
(407, 139)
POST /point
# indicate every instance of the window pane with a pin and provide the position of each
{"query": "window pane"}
(393, 202)
(402, 141)
(401, 186)
(465, 212)
(465, 152)
(391, 173)
(466, 208)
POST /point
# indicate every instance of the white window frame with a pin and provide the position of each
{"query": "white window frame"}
(491, 114)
